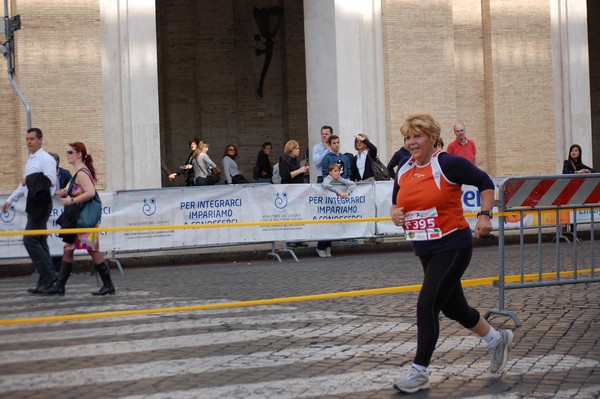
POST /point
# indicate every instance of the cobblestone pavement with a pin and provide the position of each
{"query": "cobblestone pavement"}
(353, 347)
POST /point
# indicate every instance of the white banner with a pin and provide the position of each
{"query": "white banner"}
(238, 204)
(16, 219)
(248, 203)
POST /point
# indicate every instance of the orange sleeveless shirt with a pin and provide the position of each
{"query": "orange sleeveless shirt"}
(426, 187)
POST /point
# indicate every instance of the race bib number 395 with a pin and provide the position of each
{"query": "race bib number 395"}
(422, 225)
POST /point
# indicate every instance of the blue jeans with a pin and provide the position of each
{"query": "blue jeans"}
(37, 248)
(200, 181)
(264, 180)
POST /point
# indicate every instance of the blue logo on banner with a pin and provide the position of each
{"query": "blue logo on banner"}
(281, 202)
(149, 208)
(9, 215)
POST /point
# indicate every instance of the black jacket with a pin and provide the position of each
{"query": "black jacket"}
(39, 200)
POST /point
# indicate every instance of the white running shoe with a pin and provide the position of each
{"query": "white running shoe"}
(413, 382)
(321, 253)
(328, 252)
(500, 351)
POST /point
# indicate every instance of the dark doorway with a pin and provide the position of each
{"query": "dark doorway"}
(209, 71)
(593, 25)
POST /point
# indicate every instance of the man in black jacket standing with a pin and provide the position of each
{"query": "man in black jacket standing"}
(38, 184)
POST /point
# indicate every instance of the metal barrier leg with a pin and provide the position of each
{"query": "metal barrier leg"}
(508, 313)
(570, 231)
(116, 262)
(560, 236)
(273, 253)
(288, 250)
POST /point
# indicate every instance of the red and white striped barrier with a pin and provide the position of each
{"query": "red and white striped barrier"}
(557, 190)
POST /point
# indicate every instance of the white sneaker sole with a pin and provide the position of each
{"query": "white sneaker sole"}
(412, 390)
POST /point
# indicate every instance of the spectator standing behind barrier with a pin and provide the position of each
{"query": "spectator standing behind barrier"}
(230, 167)
(360, 163)
(462, 146)
(319, 152)
(398, 158)
(292, 173)
(263, 170)
(187, 169)
(573, 163)
(38, 184)
(202, 164)
(439, 145)
(63, 177)
(82, 191)
(334, 156)
(342, 188)
(427, 202)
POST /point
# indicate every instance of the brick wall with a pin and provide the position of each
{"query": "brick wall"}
(486, 64)
(58, 69)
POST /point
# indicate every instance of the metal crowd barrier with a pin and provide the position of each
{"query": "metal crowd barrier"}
(548, 202)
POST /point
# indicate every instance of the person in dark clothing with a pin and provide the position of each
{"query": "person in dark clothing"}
(361, 167)
(289, 166)
(292, 172)
(573, 164)
(63, 177)
(396, 160)
(39, 204)
(187, 169)
(263, 170)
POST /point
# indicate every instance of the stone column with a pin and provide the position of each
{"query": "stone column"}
(344, 70)
(130, 83)
(571, 79)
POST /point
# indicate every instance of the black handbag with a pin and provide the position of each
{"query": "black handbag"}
(239, 179)
(214, 176)
(380, 171)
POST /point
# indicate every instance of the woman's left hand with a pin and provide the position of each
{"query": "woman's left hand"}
(483, 226)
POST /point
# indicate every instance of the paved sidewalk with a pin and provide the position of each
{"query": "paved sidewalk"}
(251, 252)
(352, 347)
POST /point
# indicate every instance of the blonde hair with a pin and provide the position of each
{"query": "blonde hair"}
(199, 148)
(290, 146)
(421, 122)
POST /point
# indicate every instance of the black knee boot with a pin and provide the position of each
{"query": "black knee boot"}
(58, 287)
(104, 273)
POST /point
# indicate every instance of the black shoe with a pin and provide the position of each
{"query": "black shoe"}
(36, 290)
(107, 288)
(302, 244)
(291, 244)
(55, 289)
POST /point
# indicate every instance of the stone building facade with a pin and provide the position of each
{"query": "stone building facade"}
(136, 79)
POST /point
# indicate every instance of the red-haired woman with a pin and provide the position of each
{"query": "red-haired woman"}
(83, 190)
